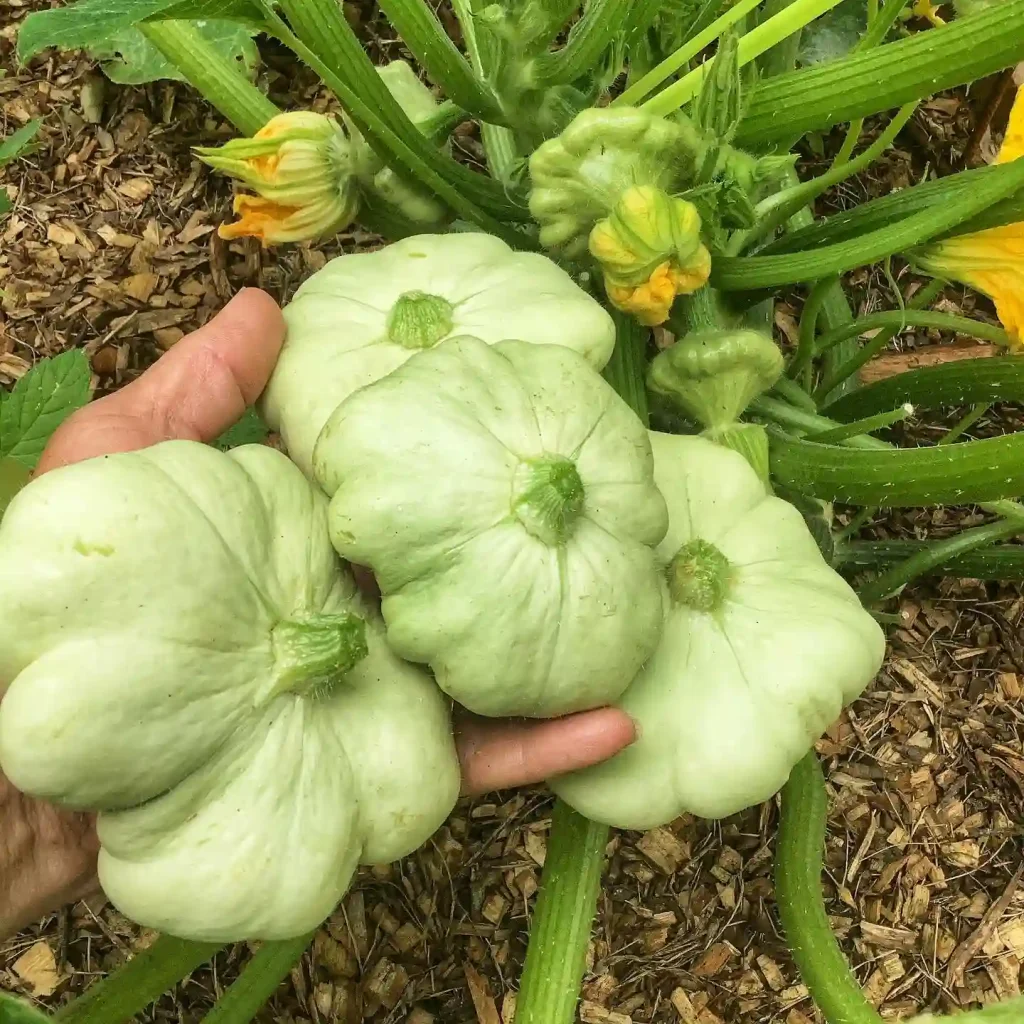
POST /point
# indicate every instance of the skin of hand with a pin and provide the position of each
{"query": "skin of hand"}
(195, 392)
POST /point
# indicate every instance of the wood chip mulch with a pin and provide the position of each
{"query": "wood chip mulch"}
(112, 247)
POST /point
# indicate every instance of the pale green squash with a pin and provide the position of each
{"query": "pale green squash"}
(182, 651)
(764, 643)
(364, 314)
(503, 495)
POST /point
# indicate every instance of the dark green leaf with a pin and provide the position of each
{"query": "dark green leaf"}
(966, 382)
(955, 474)
(250, 429)
(834, 34)
(18, 1011)
(129, 58)
(40, 402)
(786, 106)
(90, 23)
(18, 142)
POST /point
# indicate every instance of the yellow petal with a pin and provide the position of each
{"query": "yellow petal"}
(693, 276)
(1013, 142)
(926, 9)
(649, 302)
(992, 262)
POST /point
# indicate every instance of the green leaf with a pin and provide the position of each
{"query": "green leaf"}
(955, 474)
(129, 58)
(967, 382)
(18, 142)
(786, 106)
(19, 1011)
(748, 273)
(91, 23)
(13, 476)
(250, 429)
(40, 402)
(834, 34)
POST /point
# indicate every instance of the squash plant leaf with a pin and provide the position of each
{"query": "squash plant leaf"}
(18, 1011)
(16, 144)
(39, 403)
(250, 429)
(93, 23)
(129, 58)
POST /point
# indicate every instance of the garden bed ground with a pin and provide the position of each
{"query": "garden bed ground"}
(112, 247)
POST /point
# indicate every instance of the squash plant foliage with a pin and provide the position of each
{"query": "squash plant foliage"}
(639, 174)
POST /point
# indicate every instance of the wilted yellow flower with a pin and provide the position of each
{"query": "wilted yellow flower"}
(650, 250)
(300, 166)
(990, 261)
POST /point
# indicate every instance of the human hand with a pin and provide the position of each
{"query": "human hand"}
(195, 392)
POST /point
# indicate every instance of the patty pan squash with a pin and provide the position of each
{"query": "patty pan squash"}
(364, 314)
(185, 655)
(764, 643)
(504, 497)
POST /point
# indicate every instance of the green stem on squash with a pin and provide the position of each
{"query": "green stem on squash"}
(258, 981)
(219, 79)
(798, 865)
(1000, 562)
(146, 977)
(868, 425)
(601, 23)
(571, 881)
(560, 933)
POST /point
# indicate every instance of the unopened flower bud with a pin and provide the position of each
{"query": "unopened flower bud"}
(299, 164)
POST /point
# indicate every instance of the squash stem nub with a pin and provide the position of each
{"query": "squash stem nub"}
(312, 654)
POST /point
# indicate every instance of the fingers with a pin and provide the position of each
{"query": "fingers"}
(499, 754)
(194, 392)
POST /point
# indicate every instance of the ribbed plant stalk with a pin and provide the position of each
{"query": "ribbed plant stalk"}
(885, 77)
(131, 988)
(798, 865)
(571, 880)
(999, 562)
(799, 860)
(258, 981)
(220, 80)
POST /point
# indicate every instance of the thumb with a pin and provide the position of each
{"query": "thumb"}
(195, 392)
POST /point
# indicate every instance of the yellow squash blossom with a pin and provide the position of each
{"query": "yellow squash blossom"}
(990, 261)
(926, 9)
(649, 249)
(300, 166)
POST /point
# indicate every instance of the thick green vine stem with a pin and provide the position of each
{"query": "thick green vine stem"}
(147, 976)
(258, 981)
(219, 80)
(798, 893)
(557, 953)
